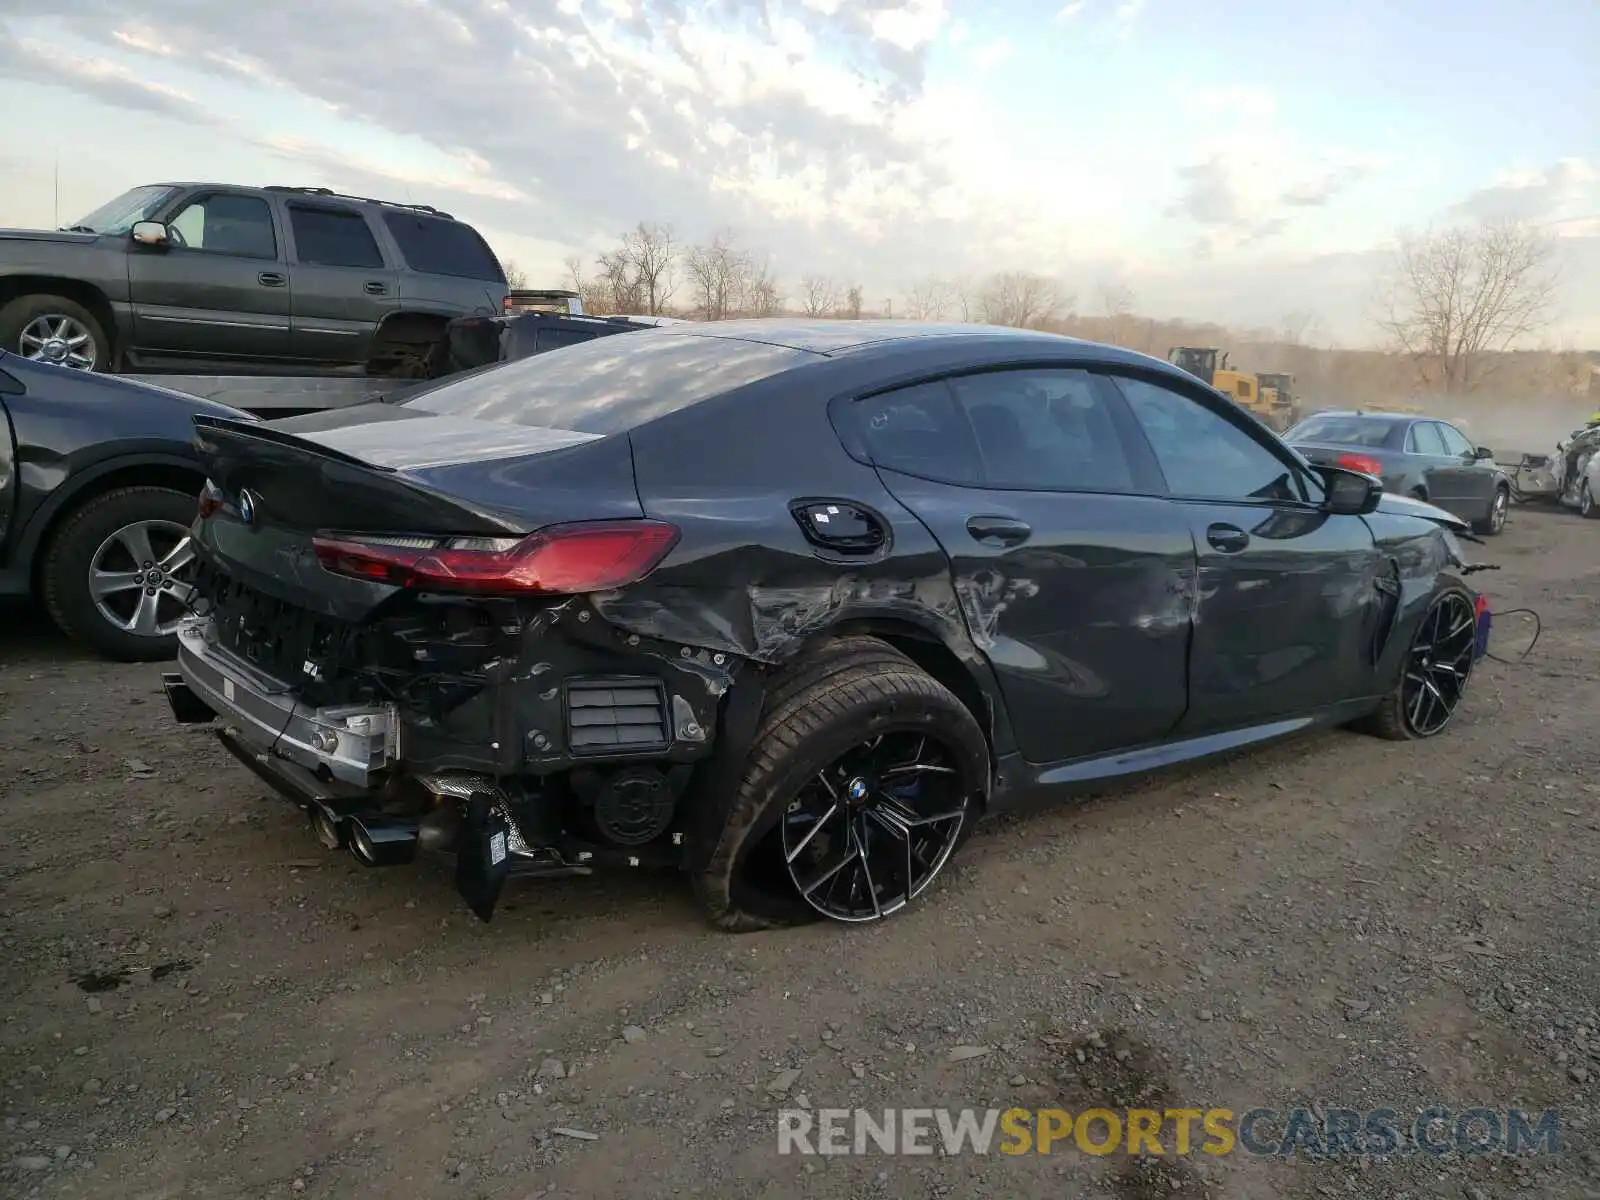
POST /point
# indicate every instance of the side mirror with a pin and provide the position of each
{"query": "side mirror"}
(150, 233)
(1483, 452)
(1349, 493)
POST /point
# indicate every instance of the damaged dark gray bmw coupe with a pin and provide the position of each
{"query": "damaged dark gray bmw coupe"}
(788, 605)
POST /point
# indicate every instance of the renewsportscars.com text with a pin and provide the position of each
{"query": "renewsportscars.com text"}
(1260, 1132)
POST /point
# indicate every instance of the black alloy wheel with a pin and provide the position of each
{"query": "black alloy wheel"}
(871, 830)
(1439, 664)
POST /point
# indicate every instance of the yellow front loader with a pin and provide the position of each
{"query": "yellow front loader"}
(1210, 364)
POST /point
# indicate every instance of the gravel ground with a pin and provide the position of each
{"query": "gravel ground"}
(199, 1001)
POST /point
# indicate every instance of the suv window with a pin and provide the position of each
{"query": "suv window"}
(226, 224)
(1202, 454)
(1425, 439)
(435, 246)
(918, 430)
(1455, 442)
(610, 384)
(333, 237)
(1045, 430)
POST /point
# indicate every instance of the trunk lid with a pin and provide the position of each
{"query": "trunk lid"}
(387, 471)
(1326, 454)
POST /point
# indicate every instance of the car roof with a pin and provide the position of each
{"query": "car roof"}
(1368, 415)
(825, 337)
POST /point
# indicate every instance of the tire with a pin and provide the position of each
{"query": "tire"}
(1586, 503)
(1495, 523)
(819, 709)
(92, 537)
(29, 316)
(1394, 719)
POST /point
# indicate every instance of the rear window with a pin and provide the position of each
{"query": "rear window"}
(434, 246)
(610, 384)
(1343, 431)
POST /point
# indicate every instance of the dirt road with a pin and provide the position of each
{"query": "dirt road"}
(199, 1001)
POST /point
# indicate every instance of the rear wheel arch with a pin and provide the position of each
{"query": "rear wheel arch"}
(402, 336)
(933, 653)
(151, 471)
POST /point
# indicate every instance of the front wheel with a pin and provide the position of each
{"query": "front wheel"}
(118, 573)
(866, 776)
(1586, 504)
(1434, 675)
(1495, 522)
(55, 330)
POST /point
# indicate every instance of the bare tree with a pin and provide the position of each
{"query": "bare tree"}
(1296, 328)
(718, 272)
(516, 277)
(652, 255)
(620, 279)
(593, 293)
(851, 308)
(1117, 303)
(760, 295)
(1020, 298)
(929, 299)
(819, 295)
(1456, 296)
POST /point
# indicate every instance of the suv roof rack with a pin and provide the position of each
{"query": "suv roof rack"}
(333, 195)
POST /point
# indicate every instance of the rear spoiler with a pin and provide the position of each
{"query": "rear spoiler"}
(266, 433)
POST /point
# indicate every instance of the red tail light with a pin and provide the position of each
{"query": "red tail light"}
(1360, 462)
(561, 560)
(210, 499)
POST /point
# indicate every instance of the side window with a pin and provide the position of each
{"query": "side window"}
(332, 237)
(1204, 456)
(1047, 430)
(1455, 442)
(919, 431)
(1425, 439)
(436, 246)
(225, 224)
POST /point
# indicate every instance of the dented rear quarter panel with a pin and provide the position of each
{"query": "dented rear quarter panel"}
(744, 579)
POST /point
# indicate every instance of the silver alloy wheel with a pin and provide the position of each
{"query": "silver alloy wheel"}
(1497, 514)
(59, 339)
(1585, 500)
(139, 578)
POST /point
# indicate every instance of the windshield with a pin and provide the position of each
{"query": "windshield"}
(1342, 431)
(609, 384)
(126, 211)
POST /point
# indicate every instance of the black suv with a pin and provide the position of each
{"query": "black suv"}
(218, 279)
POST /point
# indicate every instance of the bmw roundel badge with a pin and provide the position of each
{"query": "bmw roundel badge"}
(247, 506)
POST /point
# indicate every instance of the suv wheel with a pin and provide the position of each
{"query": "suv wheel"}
(117, 574)
(53, 329)
(866, 776)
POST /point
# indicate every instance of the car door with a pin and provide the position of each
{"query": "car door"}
(1287, 594)
(219, 287)
(1468, 480)
(343, 285)
(1074, 577)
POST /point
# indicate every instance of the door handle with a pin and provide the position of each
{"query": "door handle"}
(271, 279)
(373, 288)
(1006, 530)
(1229, 539)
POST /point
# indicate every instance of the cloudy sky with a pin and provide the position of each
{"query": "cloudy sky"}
(1227, 159)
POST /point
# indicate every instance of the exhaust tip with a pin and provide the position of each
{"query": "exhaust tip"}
(380, 842)
(327, 828)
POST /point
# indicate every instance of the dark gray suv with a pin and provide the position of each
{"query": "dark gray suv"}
(218, 279)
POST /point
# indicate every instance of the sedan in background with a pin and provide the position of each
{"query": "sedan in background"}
(1415, 456)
